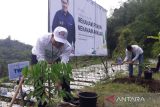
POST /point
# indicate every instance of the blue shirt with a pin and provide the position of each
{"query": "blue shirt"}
(65, 20)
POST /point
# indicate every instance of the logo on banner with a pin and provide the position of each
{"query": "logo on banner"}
(15, 69)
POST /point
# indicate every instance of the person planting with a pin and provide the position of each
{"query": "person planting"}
(133, 53)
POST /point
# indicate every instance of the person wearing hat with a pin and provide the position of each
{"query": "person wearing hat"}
(65, 19)
(50, 47)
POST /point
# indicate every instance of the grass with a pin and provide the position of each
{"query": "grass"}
(83, 61)
(108, 89)
(4, 79)
(156, 76)
(116, 87)
(123, 89)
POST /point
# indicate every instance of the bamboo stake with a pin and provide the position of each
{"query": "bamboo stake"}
(17, 91)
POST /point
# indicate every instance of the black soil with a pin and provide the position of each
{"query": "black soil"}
(152, 85)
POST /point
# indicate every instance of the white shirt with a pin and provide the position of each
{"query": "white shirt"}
(43, 49)
(136, 50)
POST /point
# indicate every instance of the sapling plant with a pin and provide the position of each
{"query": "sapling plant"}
(44, 78)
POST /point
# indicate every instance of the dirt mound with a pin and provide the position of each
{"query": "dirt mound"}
(153, 85)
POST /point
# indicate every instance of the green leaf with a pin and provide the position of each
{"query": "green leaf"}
(25, 72)
(40, 73)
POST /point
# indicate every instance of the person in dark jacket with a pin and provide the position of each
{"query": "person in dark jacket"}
(65, 19)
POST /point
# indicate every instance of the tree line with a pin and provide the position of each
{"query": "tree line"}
(131, 24)
(12, 51)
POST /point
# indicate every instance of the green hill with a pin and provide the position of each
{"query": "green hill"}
(131, 24)
(12, 51)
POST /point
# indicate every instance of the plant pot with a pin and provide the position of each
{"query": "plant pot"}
(88, 99)
(153, 69)
(148, 75)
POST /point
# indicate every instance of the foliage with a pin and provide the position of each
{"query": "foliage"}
(12, 51)
(124, 39)
(155, 37)
(41, 74)
(156, 49)
(137, 17)
(4, 79)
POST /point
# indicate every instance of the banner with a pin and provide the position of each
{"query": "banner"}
(86, 24)
(15, 69)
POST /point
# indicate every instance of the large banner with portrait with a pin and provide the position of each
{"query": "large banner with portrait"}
(86, 24)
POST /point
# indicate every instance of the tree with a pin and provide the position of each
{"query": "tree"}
(155, 37)
(155, 48)
(13, 51)
(141, 17)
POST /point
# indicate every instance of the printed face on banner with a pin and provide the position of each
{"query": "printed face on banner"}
(86, 24)
(65, 4)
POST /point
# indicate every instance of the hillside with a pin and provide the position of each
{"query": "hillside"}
(12, 51)
(131, 24)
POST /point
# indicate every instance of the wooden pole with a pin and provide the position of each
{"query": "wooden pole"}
(17, 91)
